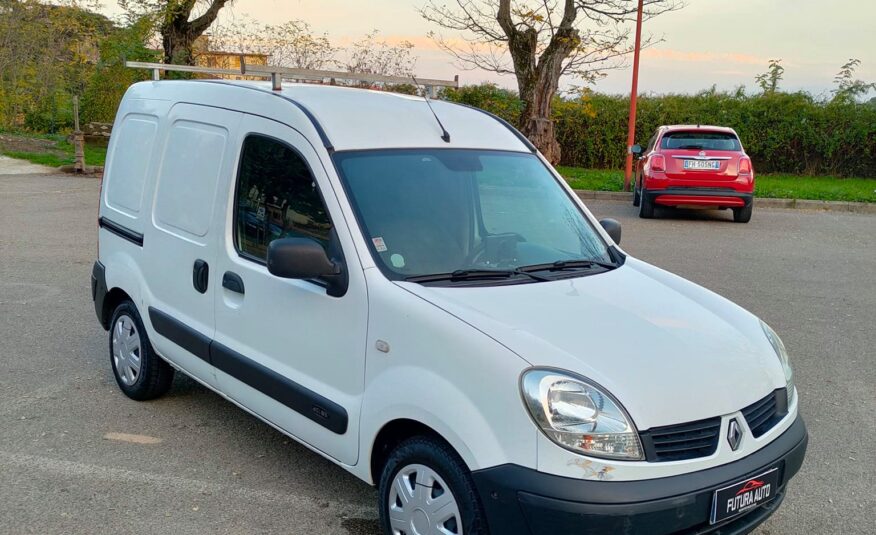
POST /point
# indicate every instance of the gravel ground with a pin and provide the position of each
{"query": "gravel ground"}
(78, 457)
(11, 166)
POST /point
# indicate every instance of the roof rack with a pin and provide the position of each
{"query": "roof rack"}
(278, 74)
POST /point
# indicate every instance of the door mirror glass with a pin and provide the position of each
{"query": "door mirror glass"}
(299, 258)
(636, 149)
(612, 227)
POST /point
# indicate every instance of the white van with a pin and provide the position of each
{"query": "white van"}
(429, 305)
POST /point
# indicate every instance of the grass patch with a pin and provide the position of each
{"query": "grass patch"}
(778, 186)
(41, 158)
(48, 149)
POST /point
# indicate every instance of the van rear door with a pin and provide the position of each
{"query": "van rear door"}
(180, 248)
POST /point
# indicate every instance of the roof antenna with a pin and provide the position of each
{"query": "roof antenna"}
(445, 135)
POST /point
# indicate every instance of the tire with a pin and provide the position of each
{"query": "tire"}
(424, 459)
(742, 215)
(646, 205)
(139, 372)
(637, 195)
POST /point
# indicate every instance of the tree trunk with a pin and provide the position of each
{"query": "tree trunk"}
(537, 90)
(538, 76)
(177, 43)
(535, 121)
(178, 34)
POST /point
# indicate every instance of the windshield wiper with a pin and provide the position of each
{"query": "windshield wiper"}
(475, 274)
(562, 265)
(691, 147)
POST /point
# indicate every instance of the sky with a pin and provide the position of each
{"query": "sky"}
(721, 42)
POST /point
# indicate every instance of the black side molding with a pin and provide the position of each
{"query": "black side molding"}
(181, 334)
(302, 400)
(121, 231)
(306, 402)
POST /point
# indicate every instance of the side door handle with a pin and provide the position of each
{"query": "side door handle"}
(232, 282)
(200, 275)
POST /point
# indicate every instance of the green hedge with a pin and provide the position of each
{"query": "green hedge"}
(782, 132)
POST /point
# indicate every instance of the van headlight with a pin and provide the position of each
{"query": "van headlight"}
(782, 353)
(579, 415)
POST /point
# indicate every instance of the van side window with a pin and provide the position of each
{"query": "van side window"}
(277, 197)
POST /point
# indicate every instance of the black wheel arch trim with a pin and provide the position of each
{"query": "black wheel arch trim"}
(302, 400)
(121, 231)
(99, 292)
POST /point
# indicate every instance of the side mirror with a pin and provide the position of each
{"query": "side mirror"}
(612, 227)
(636, 149)
(305, 258)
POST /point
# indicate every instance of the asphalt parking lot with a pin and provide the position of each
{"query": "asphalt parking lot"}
(76, 456)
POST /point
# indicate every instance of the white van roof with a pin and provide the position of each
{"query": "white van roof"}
(345, 118)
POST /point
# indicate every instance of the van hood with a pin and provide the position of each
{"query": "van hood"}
(670, 351)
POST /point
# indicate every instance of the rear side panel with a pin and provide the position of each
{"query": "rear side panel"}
(126, 198)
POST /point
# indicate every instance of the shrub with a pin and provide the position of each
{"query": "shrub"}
(782, 132)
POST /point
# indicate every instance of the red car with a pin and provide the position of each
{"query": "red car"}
(694, 165)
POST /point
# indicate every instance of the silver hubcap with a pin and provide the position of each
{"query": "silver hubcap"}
(420, 503)
(126, 350)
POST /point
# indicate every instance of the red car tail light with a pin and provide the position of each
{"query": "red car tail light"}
(744, 166)
(658, 163)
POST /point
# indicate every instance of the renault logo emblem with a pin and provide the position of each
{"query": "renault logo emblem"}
(734, 434)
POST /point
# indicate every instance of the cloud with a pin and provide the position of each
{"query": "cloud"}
(702, 57)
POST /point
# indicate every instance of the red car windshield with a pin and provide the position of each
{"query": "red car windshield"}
(700, 141)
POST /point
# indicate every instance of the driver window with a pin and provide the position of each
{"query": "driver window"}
(276, 197)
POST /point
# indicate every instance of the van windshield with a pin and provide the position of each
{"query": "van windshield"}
(476, 214)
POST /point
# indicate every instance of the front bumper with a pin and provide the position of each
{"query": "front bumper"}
(520, 500)
(715, 197)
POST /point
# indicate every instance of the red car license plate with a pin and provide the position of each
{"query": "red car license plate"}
(702, 164)
(745, 495)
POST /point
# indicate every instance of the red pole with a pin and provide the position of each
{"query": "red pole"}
(631, 130)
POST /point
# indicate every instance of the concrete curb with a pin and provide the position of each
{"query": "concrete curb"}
(759, 202)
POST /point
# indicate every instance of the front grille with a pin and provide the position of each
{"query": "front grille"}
(683, 441)
(763, 414)
(700, 439)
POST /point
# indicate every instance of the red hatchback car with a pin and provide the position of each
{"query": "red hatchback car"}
(694, 165)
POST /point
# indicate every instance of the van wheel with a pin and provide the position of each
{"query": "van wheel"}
(425, 488)
(139, 372)
(742, 215)
(646, 205)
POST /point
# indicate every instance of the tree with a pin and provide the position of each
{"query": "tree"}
(47, 54)
(174, 20)
(848, 88)
(376, 56)
(290, 44)
(539, 42)
(769, 80)
(111, 78)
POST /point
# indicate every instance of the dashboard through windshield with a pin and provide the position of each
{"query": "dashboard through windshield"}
(444, 211)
